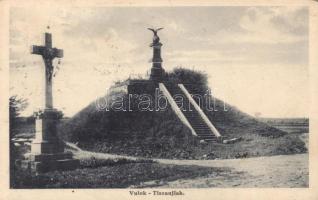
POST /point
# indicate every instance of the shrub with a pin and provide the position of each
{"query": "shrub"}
(93, 162)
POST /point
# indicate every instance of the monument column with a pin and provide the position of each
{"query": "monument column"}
(157, 72)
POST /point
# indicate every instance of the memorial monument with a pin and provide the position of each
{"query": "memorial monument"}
(47, 150)
(157, 72)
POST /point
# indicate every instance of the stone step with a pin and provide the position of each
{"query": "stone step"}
(203, 132)
(208, 139)
(202, 129)
(206, 136)
(191, 113)
(198, 121)
(200, 126)
(194, 118)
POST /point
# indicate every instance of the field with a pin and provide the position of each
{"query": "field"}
(287, 171)
(107, 172)
(290, 125)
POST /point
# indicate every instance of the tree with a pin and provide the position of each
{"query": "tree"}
(16, 106)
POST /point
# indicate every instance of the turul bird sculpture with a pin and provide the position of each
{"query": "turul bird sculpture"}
(156, 38)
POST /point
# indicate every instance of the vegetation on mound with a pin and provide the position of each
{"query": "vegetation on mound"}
(115, 176)
(250, 146)
(162, 135)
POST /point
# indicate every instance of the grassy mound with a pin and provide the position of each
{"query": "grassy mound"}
(162, 135)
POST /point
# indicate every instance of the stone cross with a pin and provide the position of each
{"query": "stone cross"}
(48, 53)
(47, 150)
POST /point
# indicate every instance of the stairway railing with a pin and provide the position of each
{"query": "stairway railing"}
(176, 108)
(199, 110)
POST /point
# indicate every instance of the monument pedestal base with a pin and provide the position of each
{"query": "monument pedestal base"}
(42, 163)
(42, 167)
(47, 150)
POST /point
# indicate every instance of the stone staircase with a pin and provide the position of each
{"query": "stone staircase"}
(201, 128)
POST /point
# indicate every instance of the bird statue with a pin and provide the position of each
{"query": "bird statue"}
(156, 38)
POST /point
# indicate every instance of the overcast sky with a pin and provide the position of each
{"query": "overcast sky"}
(256, 57)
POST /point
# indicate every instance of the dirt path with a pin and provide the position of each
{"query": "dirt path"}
(274, 171)
(82, 154)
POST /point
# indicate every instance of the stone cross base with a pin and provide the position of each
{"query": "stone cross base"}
(42, 163)
(47, 147)
(47, 150)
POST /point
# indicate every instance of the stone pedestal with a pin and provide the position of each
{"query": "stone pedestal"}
(157, 74)
(47, 151)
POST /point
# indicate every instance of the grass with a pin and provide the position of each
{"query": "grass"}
(115, 176)
(93, 162)
(97, 172)
(249, 146)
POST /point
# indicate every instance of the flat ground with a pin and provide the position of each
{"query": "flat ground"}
(271, 171)
(274, 171)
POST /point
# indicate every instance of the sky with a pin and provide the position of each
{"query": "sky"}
(256, 58)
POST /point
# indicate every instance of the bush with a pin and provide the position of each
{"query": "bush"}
(96, 162)
(187, 76)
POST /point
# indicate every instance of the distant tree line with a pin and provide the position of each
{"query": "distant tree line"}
(16, 106)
